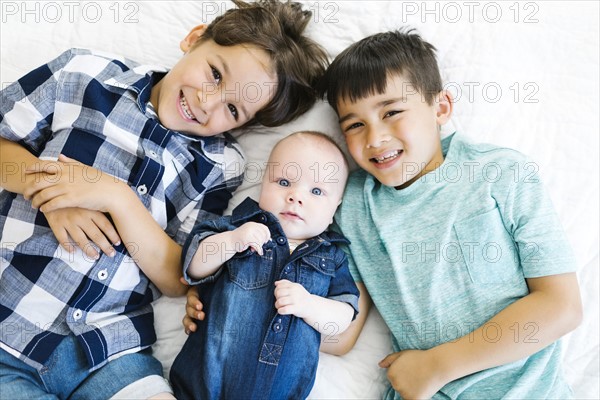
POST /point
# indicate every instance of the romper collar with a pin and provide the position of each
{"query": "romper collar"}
(248, 210)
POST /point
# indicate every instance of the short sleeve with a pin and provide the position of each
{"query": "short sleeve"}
(342, 287)
(200, 232)
(541, 243)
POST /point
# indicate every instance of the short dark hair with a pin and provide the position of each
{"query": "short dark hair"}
(276, 27)
(363, 68)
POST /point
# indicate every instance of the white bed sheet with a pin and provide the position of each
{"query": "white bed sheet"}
(525, 75)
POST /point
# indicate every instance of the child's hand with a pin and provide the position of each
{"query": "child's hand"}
(81, 227)
(253, 235)
(68, 183)
(193, 309)
(291, 298)
(413, 374)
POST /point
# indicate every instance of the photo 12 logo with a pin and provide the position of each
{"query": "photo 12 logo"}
(70, 11)
(471, 11)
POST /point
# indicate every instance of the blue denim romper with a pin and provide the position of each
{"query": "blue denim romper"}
(243, 349)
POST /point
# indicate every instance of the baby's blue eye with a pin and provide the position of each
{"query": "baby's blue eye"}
(216, 74)
(283, 182)
(316, 191)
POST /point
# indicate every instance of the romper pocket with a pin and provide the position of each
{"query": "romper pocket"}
(488, 249)
(316, 273)
(249, 270)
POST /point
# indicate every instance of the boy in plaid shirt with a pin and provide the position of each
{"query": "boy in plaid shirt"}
(151, 154)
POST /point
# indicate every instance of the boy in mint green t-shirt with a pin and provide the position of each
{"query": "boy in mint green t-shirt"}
(463, 256)
(457, 244)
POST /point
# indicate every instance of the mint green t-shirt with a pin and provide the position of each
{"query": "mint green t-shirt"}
(441, 257)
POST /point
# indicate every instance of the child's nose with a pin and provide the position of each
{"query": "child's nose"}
(209, 99)
(294, 197)
(376, 136)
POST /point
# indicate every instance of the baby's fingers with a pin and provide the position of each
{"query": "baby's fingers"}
(257, 248)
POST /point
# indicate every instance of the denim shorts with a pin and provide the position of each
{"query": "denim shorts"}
(66, 375)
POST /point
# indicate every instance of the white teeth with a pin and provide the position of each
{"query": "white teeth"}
(185, 108)
(387, 157)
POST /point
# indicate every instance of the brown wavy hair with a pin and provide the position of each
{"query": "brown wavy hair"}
(277, 28)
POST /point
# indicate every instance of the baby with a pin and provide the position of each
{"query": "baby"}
(274, 280)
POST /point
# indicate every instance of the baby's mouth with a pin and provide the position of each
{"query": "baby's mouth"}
(387, 157)
(187, 113)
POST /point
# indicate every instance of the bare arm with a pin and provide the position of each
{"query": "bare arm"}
(153, 250)
(342, 343)
(71, 226)
(552, 309)
(15, 159)
(319, 312)
(216, 249)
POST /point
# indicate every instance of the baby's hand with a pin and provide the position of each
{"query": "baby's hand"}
(291, 298)
(81, 227)
(253, 235)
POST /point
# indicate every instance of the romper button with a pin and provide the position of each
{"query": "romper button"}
(323, 265)
(287, 269)
(277, 326)
(142, 189)
(281, 240)
(263, 218)
(77, 315)
(102, 275)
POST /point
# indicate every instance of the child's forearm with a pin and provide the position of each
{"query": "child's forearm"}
(552, 309)
(14, 159)
(212, 252)
(340, 343)
(329, 317)
(157, 254)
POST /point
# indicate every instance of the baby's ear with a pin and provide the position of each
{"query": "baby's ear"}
(188, 42)
(443, 103)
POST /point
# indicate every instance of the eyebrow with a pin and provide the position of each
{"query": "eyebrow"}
(228, 73)
(380, 104)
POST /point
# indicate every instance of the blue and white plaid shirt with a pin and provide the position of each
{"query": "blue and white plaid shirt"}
(95, 108)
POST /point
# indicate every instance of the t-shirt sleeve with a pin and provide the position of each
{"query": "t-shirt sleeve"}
(540, 240)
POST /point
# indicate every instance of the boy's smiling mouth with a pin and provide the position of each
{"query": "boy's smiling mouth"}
(386, 157)
(186, 113)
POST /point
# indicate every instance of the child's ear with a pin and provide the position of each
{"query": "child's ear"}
(188, 42)
(443, 103)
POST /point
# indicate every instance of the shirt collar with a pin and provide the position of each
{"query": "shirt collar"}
(139, 80)
(248, 210)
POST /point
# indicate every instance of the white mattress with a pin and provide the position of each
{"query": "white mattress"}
(525, 75)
